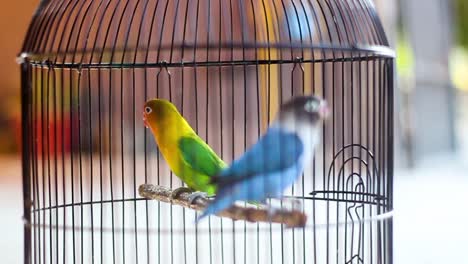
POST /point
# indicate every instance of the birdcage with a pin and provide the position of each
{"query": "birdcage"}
(87, 68)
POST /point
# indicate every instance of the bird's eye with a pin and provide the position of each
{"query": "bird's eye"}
(311, 106)
(148, 110)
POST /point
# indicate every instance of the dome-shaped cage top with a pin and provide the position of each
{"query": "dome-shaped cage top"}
(183, 32)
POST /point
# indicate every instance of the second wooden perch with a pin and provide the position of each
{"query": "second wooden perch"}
(292, 218)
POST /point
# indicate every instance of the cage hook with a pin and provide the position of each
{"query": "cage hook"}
(79, 68)
(22, 58)
(298, 61)
(47, 63)
(164, 64)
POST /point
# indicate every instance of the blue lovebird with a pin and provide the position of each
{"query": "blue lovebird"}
(276, 160)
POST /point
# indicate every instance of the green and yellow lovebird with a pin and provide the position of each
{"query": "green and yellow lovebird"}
(187, 155)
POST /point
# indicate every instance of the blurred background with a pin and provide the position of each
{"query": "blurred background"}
(431, 180)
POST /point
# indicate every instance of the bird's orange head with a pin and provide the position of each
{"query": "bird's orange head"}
(157, 112)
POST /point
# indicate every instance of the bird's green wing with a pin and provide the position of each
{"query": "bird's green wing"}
(198, 155)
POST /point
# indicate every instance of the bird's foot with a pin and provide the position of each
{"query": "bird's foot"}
(290, 204)
(296, 204)
(271, 210)
(194, 196)
(175, 193)
(260, 205)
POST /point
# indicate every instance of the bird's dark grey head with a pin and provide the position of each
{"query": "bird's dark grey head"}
(309, 109)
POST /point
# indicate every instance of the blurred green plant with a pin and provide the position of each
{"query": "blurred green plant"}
(459, 68)
(404, 59)
(461, 16)
(459, 56)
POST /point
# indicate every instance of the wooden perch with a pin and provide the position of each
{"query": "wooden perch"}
(289, 218)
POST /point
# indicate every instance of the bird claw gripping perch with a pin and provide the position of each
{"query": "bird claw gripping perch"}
(271, 211)
(296, 204)
(194, 196)
(177, 192)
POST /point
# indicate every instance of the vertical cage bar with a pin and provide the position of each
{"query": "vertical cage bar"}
(26, 91)
(391, 147)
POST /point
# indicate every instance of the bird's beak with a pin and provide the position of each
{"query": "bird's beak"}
(144, 120)
(324, 110)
